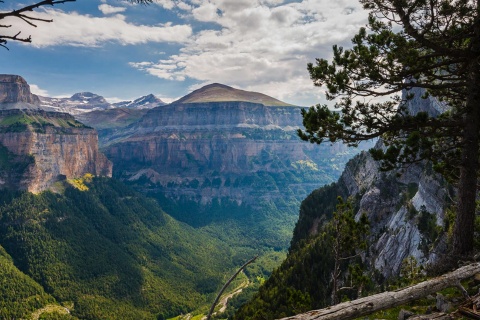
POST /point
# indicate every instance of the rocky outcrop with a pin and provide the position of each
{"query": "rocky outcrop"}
(14, 89)
(406, 208)
(58, 148)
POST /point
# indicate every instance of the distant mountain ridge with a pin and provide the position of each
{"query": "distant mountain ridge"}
(217, 92)
(145, 102)
(84, 102)
(15, 94)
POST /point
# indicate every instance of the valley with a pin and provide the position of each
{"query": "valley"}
(220, 175)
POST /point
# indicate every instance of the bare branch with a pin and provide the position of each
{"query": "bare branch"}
(226, 285)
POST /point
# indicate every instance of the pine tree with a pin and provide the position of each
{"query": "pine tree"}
(433, 45)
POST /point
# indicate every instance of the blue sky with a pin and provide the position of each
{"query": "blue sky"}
(171, 47)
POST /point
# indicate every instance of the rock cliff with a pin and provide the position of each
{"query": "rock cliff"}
(39, 148)
(406, 208)
(243, 151)
(14, 89)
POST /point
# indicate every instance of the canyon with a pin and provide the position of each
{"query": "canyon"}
(202, 148)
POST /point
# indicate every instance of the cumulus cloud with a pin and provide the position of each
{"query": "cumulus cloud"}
(74, 29)
(38, 91)
(108, 9)
(263, 45)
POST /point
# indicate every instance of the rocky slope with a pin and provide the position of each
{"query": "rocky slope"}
(240, 150)
(407, 213)
(406, 207)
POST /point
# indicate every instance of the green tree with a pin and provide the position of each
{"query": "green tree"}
(349, 240)
(429, 46)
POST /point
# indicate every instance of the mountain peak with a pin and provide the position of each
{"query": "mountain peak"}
(217, 92)
(14, 89)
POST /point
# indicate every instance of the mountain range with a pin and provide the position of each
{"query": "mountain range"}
(15, 93)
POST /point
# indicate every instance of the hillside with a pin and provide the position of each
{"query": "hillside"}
(109, 252)
(21, 295)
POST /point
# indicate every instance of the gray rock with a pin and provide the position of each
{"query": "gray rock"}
(404, 314)
(442, 305)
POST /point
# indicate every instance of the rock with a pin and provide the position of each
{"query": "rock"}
(442, 304)
(14, 89)
(404, 314)
(393, 202)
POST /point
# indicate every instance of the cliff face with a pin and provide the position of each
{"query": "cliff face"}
(406, 208)
(53, 147)
(240, 150)
(14, 89)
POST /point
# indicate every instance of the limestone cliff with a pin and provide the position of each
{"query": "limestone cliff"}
(406, 208)
(51, 146)
(14, 89)
(243, 151)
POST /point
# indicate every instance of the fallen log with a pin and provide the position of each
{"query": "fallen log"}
(386, 300)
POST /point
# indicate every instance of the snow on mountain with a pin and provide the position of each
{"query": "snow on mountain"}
(86, 101)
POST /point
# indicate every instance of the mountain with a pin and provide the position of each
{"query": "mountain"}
(223, 148)
(217, 92)
(145, 102)
(93, 247)
(14, 89)
(409, 221)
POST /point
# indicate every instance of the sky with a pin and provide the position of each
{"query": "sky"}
(123, 51)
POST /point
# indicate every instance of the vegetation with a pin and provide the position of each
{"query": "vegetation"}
(436, 49)
(21, 295)
(37, 121)
(310, 276)
(110, 252)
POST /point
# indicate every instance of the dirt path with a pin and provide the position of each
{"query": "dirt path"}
(223, 302)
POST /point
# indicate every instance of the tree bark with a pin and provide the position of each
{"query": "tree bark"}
(463, 233)
(386, 300)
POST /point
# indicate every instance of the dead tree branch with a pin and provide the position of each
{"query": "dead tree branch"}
(212, 308)
(21, 15)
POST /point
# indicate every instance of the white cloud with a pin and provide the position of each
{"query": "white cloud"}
(108, 9)
(73, 29)
(167, 4)
(263, 45)
(37, 90)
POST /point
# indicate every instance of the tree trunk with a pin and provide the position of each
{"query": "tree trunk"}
(467, 188)
(386, 300)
